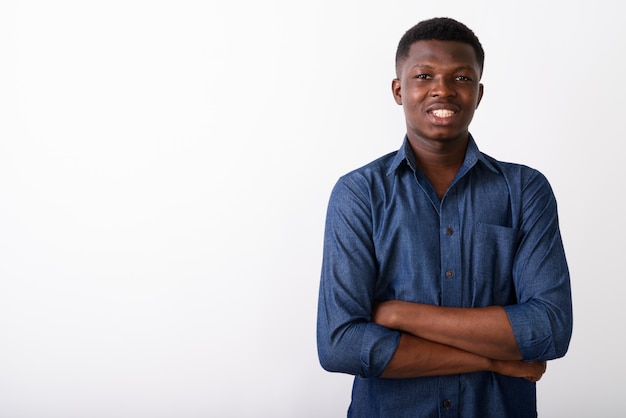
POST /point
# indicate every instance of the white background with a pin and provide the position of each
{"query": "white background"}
(164, 173)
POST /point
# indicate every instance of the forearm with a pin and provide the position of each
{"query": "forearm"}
(482, 331)
(416, 357)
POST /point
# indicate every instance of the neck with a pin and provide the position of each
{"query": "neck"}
(440, 161)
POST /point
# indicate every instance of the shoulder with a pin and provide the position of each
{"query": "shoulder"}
(371, 173)
(361, 185)
(516, 173)
(526, 185)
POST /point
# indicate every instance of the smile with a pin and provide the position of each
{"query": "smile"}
(442, 113)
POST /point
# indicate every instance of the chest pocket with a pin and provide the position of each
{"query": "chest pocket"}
(492, 256)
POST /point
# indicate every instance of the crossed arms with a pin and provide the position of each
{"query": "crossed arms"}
(441, 340)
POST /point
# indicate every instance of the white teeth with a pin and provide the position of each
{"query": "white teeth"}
(443, 113)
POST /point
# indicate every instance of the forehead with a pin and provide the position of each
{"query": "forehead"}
(441, 54)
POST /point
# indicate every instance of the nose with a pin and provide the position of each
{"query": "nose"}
(442, 87)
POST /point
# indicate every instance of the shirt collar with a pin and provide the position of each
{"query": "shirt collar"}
(472, 156)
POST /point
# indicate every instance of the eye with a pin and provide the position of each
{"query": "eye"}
(422, 76)
(463, 78)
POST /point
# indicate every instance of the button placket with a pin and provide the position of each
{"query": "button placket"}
(450, 247)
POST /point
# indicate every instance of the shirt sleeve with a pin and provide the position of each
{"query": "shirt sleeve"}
(542, 319)
(347, 340)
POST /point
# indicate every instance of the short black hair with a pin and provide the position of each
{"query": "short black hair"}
(439, 29)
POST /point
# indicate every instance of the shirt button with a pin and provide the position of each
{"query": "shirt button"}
(447, 404)
(449, 231)
(449, 274)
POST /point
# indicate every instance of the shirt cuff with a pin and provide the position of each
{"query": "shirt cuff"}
(531, 327)
(378, 346)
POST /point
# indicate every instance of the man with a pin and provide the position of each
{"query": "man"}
(444, 285)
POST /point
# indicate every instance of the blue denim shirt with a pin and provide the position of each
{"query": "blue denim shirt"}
(493, 239)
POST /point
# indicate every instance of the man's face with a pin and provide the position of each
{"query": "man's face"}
(438, 87)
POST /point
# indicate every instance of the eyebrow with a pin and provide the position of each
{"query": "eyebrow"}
(430, 67)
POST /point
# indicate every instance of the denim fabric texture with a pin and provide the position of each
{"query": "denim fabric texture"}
(493, 239)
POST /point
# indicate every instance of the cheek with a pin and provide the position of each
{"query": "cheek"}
(477, 102)
(412, 106)
(476, 98)
(411, 100)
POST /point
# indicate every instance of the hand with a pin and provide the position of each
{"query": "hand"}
(531, 371)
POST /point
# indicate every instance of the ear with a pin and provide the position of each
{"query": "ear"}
(481, 89)
(396, 91)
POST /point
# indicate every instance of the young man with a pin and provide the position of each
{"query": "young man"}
(444, 285)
